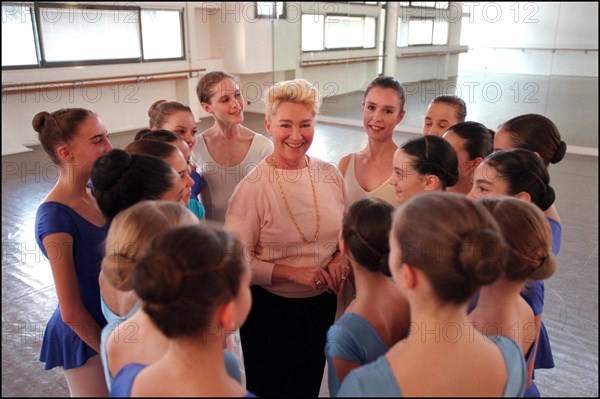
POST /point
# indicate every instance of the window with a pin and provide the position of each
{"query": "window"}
(69, 34)
(18, 41)
(55, 34)
(422, 31)
(313, 33)
(162, 31)
(332, 32)
(270, 9)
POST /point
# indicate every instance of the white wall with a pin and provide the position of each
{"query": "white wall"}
(286, 40)
(537, 38)
(122, 107)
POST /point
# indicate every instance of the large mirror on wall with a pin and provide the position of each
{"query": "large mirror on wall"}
(502, 59)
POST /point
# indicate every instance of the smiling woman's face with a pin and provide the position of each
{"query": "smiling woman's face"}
(292, 128)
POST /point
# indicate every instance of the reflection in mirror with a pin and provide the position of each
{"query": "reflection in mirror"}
(444, 48)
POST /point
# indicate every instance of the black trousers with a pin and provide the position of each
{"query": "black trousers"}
(283, 341)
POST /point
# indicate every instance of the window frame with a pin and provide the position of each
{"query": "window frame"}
(181, 31)
(417, 4)
(326, 49)
(407, 29)
(64, 6)
(273, 15)
(37, 8)
(35, 38)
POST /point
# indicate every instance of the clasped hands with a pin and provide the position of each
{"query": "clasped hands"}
(332, 277)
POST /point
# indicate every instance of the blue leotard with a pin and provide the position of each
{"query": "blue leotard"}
(377, 379)
(354, 339)
(534, 296)
(123, 381)
(60, 345)
(198, 184)
(113, 322)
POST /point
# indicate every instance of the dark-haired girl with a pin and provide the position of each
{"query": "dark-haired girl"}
(379, 316)
(443, 248)
(443, 112)
(368, 172)
(539, 134)
(172, 154)
(179, 119)
(519, 173)
(121, 180)
(472, 142)
(427, 163)
(168, 136)
(70, 230)
(522, 174)
(501, 310)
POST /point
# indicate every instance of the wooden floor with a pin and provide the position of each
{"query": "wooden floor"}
(570, 311)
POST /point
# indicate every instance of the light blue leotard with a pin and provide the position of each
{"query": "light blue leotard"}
(377, 379)
(354, 339)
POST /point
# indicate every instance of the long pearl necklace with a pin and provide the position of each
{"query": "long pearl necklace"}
(316, 204)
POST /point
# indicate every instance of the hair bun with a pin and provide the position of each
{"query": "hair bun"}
(547, 199)
(546, 268)
(384, 264)
(158, 279)
(560, 152)
(154, 106)
(117, 270)
(482, 253)
(40, 119)
(142, 134)
(109, 168)
(452, 179)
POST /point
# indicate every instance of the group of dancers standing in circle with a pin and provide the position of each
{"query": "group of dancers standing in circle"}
(223, 263)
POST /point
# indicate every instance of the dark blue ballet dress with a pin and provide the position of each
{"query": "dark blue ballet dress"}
(198, 184)
(61, 347)
(534, 296)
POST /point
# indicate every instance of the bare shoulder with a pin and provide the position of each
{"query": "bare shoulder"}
(343, 163)
(552, 213)
(53, 196)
